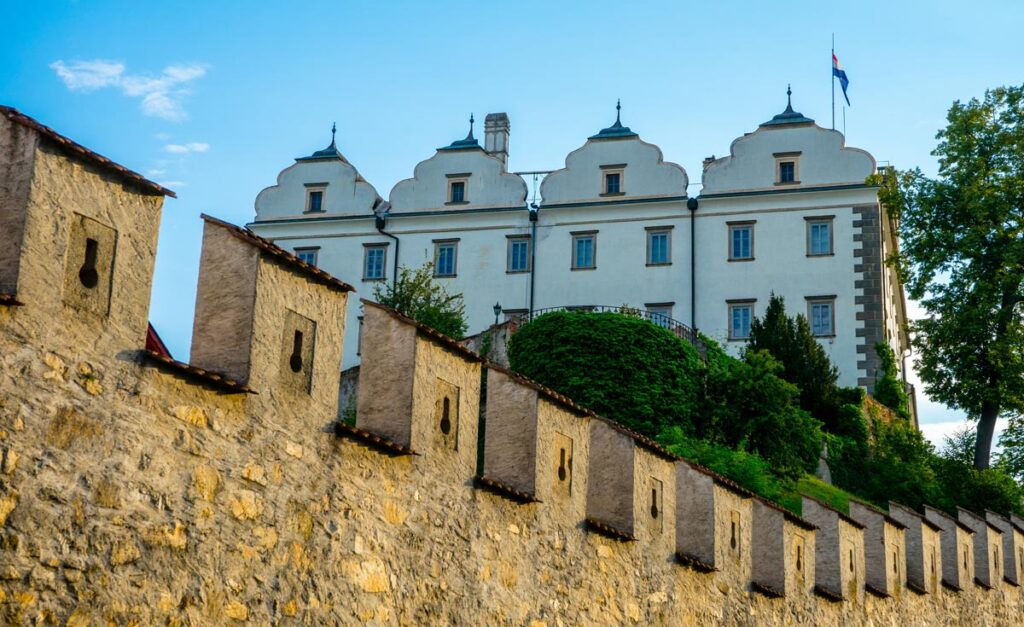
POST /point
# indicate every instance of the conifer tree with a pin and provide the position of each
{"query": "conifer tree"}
(804, 362)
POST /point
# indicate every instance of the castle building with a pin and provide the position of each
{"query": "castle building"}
(787, 212)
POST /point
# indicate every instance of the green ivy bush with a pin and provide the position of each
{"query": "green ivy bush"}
(889, 390)
(622, 367)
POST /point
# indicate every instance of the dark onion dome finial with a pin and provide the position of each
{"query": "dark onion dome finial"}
(789, 116)
(617, 130)
(469, 142)
(331, 152)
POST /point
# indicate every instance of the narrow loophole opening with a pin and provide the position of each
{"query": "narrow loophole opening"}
(561, 466)
(732, 535)
(851, 560)
(295, 361)
(446, 421)
(799, 559)
(87, 274)
(654, 502)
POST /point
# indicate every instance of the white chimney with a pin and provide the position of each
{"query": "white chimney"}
(496, 129)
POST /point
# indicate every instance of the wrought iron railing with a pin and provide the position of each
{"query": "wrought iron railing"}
(678, 328)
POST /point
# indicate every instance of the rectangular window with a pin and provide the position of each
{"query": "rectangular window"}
(315, 201)
(445, 253)
(308, 255)
(660, 313)
(819, 236)
(741, 241)
(458, 191)
(518, 254)
(787, 168)
(740, 315)
(583, 251)
(787, 171)
(613, 183)
(658, 248)
(374, 262)
(821, 315)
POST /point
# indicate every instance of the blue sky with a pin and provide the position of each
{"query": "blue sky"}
(214, 99)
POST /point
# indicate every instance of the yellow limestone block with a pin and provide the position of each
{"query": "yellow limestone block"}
(192, 415)
(236, 611)
(205, 481)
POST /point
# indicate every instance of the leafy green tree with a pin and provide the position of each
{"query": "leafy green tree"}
(959, 445)
(1011, 441)
(889, 390)
(977, 490)
(419, 296)
(963, 259)
(804, 362)
(747, 406)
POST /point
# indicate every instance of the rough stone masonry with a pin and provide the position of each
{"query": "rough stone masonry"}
(138, 490)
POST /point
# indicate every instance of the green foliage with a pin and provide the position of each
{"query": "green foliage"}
(959, 445)
(804, 362)
(900, 467)
(748, 406)
(1011, 458)
(962, 255)
(976, 490)
(817, 489)
(419, 296)
(899, 464)
(747, 469)
(624, 368)
(889, 390)
(348, 415)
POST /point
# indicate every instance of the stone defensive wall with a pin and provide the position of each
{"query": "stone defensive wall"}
(139, 490)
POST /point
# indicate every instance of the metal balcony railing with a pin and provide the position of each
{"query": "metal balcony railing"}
(678, 328)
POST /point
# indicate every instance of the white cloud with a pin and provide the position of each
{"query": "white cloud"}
(89, 75)
(161, 96)
(171, 184)
(154, 172)
(936, 431)
(183, 149)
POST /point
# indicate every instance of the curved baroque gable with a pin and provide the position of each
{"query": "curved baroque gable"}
(487, 183)
(823, 160)
(346, 192)
(646, 173)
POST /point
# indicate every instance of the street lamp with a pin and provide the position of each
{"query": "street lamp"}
(497, 312)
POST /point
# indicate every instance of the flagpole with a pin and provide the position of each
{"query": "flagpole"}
(833, 75)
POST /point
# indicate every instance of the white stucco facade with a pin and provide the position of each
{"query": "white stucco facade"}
(822, 182)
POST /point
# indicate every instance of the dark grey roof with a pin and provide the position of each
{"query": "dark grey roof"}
(789, 116)
(617, 130)
(468, 143)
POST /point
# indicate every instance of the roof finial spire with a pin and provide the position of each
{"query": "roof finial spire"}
(618, 111)
(789, 95)
(334, 129)
(471, 120)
